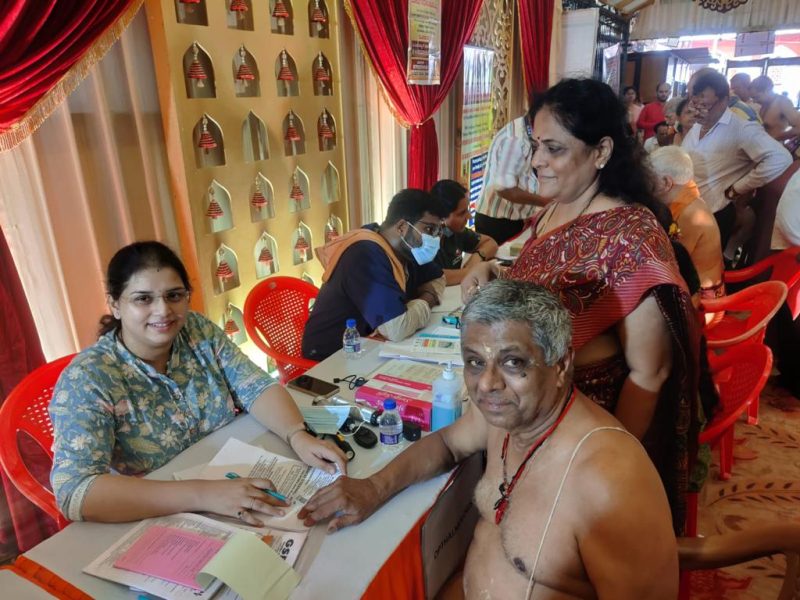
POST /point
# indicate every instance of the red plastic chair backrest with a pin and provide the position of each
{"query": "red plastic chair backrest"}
(25, 410)
(740, 374)
(748, 313)
(782, 266)
(275, 314)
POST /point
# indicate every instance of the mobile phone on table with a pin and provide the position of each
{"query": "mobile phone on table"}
(313, 386)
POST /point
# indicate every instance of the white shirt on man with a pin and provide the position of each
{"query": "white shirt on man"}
(786, 232)
(733, 152)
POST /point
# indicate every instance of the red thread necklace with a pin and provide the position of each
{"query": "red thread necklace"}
(507, 487)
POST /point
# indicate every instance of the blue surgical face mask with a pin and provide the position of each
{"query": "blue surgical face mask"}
(427, 251)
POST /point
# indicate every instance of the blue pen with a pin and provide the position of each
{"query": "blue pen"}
(274, 494)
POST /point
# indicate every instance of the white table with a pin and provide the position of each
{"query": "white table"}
(337, 566)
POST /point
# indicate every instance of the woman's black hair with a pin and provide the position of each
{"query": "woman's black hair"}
(591, 111)
(630, 87)
(130, 260)
(678, 112)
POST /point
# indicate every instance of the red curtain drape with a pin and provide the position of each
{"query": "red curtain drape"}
(20, 353)
(535, 27)
(382, 26)
(46, 48)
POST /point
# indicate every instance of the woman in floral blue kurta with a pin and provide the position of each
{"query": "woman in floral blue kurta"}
(158, 380)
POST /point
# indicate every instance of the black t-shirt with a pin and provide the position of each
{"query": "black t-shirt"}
(454, 245)
(361, 287)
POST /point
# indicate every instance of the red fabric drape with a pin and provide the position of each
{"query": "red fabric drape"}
(20, 353)
(382, 26)
(40, 42)
(535, 27)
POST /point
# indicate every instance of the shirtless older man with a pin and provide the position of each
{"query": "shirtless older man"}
(570, 504)
(698, 230)
(781, 118)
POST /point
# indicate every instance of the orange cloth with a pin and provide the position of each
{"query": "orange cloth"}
(402, 575)
(687, 195)
(46, 579)
(331, 252)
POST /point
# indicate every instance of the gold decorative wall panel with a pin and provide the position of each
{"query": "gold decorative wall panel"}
(495, 30)
(252, 109)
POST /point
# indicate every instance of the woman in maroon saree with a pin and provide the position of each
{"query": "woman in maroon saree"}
(599, 245)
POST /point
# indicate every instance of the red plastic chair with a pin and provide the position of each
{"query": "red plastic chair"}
(740, 374)
(25, 410)
(746, 316)
(275, 313)
(783, 266)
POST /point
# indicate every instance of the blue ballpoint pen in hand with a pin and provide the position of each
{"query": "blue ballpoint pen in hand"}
(273, 493)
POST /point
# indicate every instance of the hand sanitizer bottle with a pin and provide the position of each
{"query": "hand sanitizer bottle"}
(446, 399)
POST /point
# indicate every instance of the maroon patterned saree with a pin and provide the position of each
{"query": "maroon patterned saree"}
(602, 265)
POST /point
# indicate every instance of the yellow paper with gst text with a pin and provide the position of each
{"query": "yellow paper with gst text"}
(252, 569)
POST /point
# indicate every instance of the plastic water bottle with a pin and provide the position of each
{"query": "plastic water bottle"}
(351, 340)
(446, 399)
(390, 425)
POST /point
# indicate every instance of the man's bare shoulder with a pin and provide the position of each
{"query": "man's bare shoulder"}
(698, 215)
(616, 471)
(467, 435)
(784, 105)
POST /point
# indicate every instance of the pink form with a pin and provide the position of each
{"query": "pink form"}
(172, 554)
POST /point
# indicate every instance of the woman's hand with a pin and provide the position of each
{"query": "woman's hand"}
(479, 275)
(241, 498)
(319, 453)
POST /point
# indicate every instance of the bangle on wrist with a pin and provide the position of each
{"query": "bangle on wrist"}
(479, 253)
(291, 434)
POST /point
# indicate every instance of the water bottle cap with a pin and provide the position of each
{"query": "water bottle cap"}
(389, 404)
(350, 323)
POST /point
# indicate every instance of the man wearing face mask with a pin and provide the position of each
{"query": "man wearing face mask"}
(383, 276)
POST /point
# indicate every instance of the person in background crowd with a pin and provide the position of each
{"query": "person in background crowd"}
(738, 107)
(159, 379)
(684, 116)
(783, 332)
(630, 97)
(663, 137)
(383, 276)
(731, 158)
(787, 217)
(548, 449)
(671, 113)
(781, 119)
(456, 238)
(600, 246)
(510, 189)
(697, 229)
(740, 91)
(653, 114)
